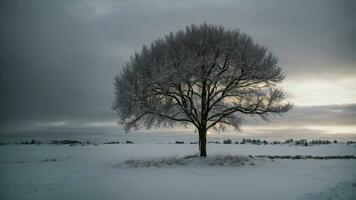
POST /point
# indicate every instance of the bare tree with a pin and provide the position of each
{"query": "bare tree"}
(206, 76)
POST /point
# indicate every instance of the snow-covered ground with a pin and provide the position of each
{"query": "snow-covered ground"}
(97, 172)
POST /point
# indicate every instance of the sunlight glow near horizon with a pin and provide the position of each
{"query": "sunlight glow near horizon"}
(321, 92)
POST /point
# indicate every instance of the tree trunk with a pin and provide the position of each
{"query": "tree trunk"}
(202, 143)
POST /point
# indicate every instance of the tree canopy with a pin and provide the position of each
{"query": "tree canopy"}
(205, 75)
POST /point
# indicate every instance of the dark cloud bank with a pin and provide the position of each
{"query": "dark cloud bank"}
(58, 58)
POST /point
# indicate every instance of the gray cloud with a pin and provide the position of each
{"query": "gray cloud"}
(330, 115)
(58, 58)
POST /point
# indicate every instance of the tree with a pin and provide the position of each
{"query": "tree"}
(205, 76)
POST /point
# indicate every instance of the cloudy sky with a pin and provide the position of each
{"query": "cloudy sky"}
(58, 59)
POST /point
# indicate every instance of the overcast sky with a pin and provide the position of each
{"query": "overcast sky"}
(58, 58)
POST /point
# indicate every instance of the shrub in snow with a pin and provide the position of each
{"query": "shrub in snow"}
(70, 142)
(179, 142)
(314, 142)
(214, 160)
(213, 142)
(258, 142)
(50, 160)
(302, 142)
(228, 141)
(31, 142)
(276, 142)
(350, 142)
(112, 142)
(4, 143)
(253, 141)
(299, 157)
(290, 141)
(129, 142)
